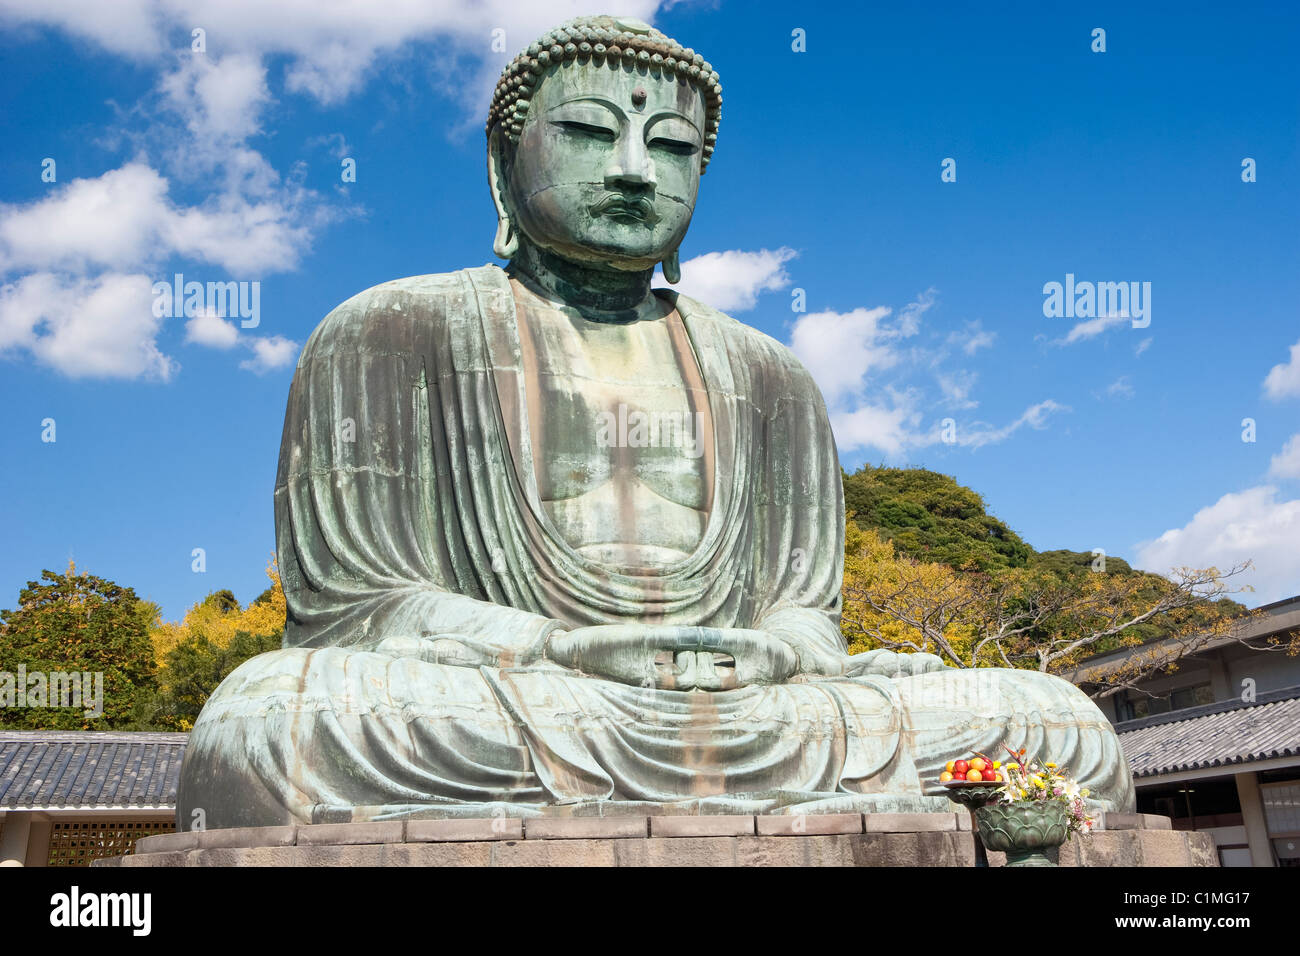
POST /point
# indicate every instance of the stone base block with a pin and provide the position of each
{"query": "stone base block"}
(892, 839)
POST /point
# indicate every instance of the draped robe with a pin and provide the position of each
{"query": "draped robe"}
(423, 577)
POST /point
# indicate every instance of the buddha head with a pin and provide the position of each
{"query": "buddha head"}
(597, 137)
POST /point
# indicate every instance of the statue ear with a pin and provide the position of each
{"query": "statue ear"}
(672, 268)
(506, 243)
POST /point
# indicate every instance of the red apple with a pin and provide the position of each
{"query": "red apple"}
(960, 767)
(990, 775)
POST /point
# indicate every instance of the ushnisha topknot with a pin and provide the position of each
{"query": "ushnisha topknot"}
(604, 39)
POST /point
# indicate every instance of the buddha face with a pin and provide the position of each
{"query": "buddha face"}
(608, 165)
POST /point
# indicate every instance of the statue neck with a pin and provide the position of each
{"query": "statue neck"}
(598, 294)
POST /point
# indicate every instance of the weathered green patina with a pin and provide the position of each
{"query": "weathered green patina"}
(553, 541)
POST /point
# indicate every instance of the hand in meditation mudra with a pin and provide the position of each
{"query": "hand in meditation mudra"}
(553, 541)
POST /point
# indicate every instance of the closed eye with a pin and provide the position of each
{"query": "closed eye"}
(677, 146)
(586, 129)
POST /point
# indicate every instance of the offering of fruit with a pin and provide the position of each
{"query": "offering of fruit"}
(976, 769)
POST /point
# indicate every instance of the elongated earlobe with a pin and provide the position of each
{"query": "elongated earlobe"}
(506, 243)
(672, 268)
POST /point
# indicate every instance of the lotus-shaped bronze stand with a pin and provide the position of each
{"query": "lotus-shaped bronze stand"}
(1024, 830)
(973, 795)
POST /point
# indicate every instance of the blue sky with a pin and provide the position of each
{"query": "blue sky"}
(924, 298)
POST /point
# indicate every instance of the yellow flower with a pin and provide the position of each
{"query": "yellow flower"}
(1050, 765)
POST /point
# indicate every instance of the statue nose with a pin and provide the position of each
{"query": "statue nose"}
(632, 166)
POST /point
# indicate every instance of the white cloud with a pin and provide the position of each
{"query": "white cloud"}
(90, 235)
(101, 327)
(244, 238)
(731, 281)
(845, 352)
(1248, 525)
(891, 430)
(219, 97)
(124, 220)
(211, 330)
(1120, 388)
(128, 28)
(330, 45)
(210, 107)
(1283, 381)
(841, 349)
(1143, 345)
(979, 434)
(894, 430)
(956, 387)
(909, 316)
(335, 144)
(271, 353)
(1091, 328)
(1286, 463)
(972, 338)
(111, 222)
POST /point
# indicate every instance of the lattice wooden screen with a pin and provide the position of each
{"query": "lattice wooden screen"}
(77, 842)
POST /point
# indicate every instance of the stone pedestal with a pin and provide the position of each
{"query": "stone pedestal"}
(879, 839)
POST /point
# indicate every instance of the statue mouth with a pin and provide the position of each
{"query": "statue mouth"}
(624, 209)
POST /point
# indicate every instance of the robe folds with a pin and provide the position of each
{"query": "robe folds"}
(423, 578)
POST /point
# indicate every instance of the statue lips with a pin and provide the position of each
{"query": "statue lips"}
(625, 209)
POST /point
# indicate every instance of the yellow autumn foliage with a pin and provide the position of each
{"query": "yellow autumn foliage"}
(1032, 616)
(208, 620)
(892, 600)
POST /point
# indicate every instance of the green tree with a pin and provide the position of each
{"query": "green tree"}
(931, 517)
(76, 622)
(223, 600)
(1062, 563)
(193, 669)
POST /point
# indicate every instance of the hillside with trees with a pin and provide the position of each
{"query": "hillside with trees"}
(927, 568)
(932, 518)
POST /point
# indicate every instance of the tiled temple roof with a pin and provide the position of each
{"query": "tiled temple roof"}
(45, 769)
(1215, 735)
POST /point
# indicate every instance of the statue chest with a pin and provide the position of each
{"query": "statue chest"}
(621, 435)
